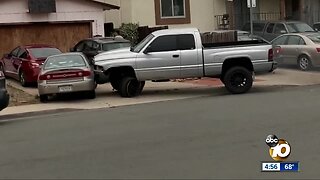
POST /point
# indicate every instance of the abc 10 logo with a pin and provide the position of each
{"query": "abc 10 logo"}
(279, 148)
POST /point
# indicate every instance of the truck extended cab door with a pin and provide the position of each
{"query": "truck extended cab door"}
(191, 57)
(160, 60)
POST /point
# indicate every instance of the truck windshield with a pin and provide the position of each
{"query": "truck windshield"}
(299, 27)
(143, 43)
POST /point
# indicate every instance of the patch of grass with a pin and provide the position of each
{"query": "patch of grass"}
(19, 97)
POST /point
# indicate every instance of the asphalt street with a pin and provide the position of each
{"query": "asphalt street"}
(205, 137)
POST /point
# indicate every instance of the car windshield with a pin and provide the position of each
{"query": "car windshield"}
(117, 45)
(44, 52)
(314, 38)
(299, 27)
(143, 43)
(64, 61)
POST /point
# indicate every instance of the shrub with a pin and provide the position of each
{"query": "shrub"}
(129, 31)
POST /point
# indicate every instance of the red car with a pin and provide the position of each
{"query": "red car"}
(23, 63)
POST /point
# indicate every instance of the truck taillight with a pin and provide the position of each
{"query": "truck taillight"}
(318, 50)
(270, 55)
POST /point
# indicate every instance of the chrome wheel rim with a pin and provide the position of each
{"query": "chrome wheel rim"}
(304, 63)
(22, 80)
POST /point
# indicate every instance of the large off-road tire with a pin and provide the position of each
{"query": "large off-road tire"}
(238, 80)
(130, 87)
(304, 63)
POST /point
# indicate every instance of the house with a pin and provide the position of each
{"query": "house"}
(56, 22)
(174, 13)
(302, 10)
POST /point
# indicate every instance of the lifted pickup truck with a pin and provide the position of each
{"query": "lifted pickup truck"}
(179, 53)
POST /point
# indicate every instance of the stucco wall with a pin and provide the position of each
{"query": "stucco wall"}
(16, 11)
(143, 12)
(269, 6)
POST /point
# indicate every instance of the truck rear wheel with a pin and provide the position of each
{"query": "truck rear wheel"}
(130, 87)
(238, 80)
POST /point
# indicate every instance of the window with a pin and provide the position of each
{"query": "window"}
(164, 43)
(172, 12)
(280, 41)
(186, 42)
(15, 52)
(79, 47)
(44, 52)
(23, 54)
(172, 8)
(270, 28)
(117, 45)
(295, 40)
(65, 61)
(280, 29)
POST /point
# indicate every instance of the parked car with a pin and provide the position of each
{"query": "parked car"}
(66, 73)
(316, 26)
(93, 46)
(272, 29)
(180, 53)
(23, 63)
(4, 96)
(302, 50)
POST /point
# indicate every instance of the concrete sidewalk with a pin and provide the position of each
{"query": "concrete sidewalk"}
(155, 92)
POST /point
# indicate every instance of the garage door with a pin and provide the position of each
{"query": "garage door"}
(61, 35)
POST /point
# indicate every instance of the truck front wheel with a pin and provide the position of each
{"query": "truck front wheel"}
(238, 80)
(130, 87)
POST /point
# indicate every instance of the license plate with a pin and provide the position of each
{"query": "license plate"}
(65, 88)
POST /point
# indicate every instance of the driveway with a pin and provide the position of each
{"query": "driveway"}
(155, 92)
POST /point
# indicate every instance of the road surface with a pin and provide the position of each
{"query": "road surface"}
(208, 137)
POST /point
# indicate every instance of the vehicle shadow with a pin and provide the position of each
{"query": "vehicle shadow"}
(294, 67)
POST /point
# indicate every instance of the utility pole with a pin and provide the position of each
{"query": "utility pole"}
(251, 4)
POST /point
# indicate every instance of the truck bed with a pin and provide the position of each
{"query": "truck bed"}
(236, 43)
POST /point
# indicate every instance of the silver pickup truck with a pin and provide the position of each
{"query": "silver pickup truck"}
(179, 53)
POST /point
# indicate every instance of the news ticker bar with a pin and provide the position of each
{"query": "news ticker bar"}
(280, 167)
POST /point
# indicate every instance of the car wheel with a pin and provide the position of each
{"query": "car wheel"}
(92, 94)
(238, 80)
(304, 63)
(22, 79)
(130, 87)
(43, 98)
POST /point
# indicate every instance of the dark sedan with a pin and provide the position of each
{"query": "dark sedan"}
(4, 97)
(93, 46)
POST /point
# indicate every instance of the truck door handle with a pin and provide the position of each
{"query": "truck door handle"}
(175, 56)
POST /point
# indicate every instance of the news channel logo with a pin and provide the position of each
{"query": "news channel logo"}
(279, 149)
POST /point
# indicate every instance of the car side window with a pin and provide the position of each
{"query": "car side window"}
(79, 47)
(186, 42)
(280, 29)
(22, 54)
(280, 41)
(15, 52)
(302, 42)
(95, 46)
(270, 28)
(294, 40)
(87, 46)
(164, 43)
